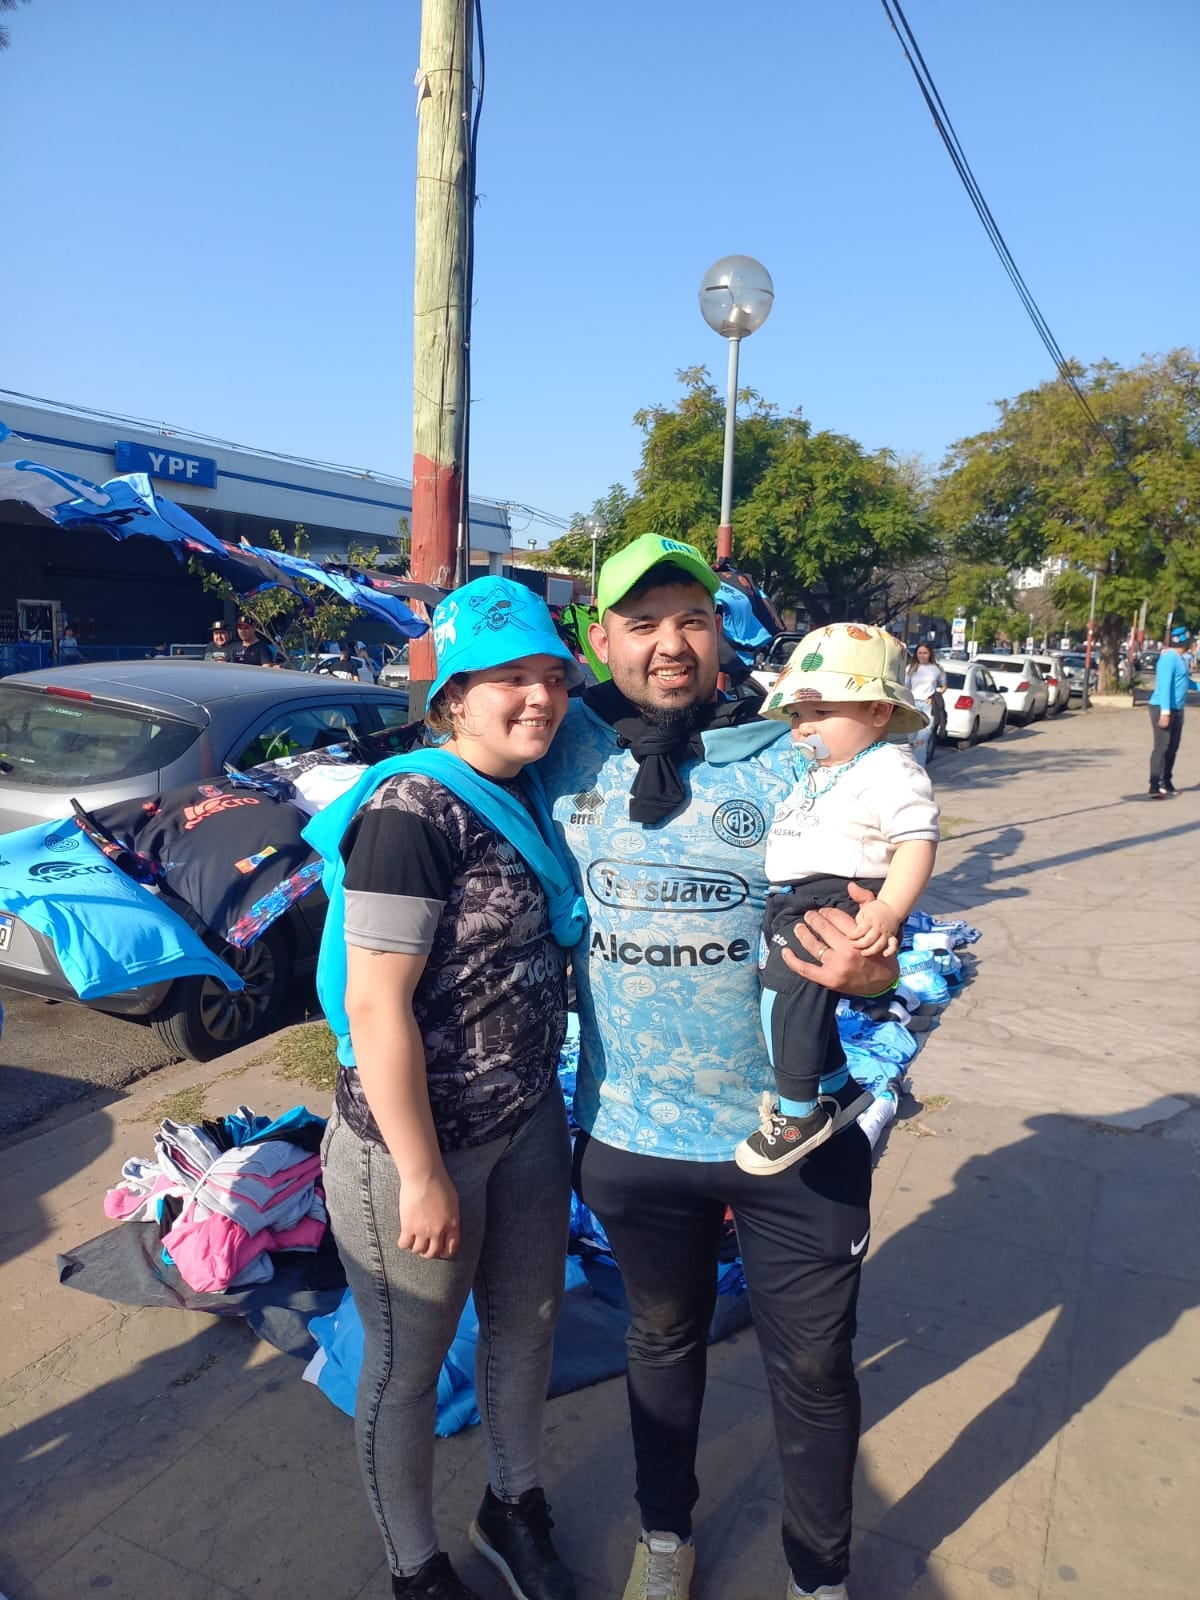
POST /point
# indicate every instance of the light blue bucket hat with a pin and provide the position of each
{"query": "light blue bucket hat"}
(489, 622)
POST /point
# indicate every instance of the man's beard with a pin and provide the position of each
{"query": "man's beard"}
(677, 722)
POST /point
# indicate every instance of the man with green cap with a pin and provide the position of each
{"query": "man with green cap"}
(663, 790)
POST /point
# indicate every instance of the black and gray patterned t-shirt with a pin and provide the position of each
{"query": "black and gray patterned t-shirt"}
(425, 876)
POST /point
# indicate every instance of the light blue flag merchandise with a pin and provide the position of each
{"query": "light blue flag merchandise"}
(108, 932)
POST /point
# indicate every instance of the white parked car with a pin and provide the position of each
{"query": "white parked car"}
(1054, 669)
(1022, 685)
(360, 669)
(975, 706)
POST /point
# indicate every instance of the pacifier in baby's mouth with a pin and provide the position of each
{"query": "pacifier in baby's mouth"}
(811, 748)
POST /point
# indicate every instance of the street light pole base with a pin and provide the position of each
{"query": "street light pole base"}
(725, 542)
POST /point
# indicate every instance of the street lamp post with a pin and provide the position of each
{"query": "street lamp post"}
(736, 295)
(595, 528)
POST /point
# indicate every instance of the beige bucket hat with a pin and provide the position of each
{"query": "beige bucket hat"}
(846, 661)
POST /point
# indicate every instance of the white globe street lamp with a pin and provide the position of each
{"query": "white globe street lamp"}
(595, 528)
(736, 296)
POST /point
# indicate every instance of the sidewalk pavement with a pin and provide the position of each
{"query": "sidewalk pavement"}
(1029, 1344)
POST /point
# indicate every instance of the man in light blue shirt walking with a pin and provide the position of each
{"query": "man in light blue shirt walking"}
(1166, 713)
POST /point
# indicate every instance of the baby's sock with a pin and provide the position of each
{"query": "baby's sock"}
(796, 1108)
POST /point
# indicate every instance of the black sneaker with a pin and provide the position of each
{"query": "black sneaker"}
(780, 1141)
(436, 1580)
(516, 1540)
(1168, 788)
(1157, 794)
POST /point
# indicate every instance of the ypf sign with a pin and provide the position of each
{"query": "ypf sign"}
(173, 465)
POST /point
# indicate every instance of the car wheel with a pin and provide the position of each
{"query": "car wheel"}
(972, 738)
(201, 1019)
(1002, 725)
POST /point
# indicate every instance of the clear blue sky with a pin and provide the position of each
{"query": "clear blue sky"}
(208, 215)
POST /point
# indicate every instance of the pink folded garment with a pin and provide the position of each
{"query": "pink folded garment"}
(211, 1251)
(124, 1204)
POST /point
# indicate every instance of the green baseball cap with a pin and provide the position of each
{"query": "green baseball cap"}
(628, 567)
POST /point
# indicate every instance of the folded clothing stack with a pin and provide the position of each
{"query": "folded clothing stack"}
(227, 1192)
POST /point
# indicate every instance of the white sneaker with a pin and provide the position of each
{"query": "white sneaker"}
(876, 1118)
(662, 1568)
(827, 1591)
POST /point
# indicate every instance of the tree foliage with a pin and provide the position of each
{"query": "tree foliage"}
(819, 523)
(1120, 501)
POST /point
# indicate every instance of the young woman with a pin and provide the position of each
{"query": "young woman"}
(447, 1161)
(926, 682)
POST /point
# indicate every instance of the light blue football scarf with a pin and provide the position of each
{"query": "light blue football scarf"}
(108, 932)
(536, 843)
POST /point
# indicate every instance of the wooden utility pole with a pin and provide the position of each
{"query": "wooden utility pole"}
(440, 310)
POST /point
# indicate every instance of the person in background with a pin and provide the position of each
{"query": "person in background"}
(159, 653)
(219, 649)
(927, 683)
(1166, 713)
(69, 653)
(447, 1159)
(344, 667)
(251, 650)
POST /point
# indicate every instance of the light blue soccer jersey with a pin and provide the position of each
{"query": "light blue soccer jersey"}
(672, 1057)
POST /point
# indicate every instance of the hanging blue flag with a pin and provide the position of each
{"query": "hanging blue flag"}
(121, 507)
(129, 506)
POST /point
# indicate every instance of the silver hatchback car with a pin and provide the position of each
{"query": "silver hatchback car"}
(104, 733)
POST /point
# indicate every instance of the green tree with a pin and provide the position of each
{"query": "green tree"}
(819, 523)
(1120, 502)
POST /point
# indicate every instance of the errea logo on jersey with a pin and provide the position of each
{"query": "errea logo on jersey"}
(589, 809)
(655, 886)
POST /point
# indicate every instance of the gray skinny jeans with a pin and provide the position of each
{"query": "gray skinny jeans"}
(514, 1199)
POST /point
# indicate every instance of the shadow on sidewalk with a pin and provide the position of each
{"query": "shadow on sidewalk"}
(1053, 1265)
(976, 880)
(29, 1174)
(990, 764)
(200, 1471)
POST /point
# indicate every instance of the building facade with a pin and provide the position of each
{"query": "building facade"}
(137, 592)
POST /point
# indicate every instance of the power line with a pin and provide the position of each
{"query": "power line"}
(941, 120)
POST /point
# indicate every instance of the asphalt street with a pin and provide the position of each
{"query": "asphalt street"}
(52, 1054)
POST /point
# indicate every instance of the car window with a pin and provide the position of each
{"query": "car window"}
(300, 728)
(64, 741)
(391, 713)
(996, 663)
(986, 681)
(955, 680)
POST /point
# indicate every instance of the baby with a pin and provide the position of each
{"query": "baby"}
(862, 811)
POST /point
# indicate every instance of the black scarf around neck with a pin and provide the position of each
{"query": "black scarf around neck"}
(658, 790)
